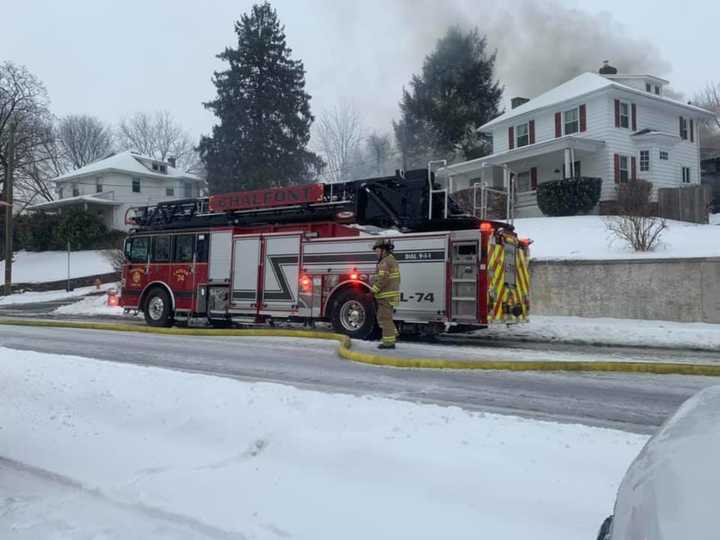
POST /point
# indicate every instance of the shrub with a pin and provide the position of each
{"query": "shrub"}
(82, 229)
(636, 223)
(569, 197)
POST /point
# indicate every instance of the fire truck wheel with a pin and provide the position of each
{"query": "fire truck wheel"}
(158, 309)
(354, 314)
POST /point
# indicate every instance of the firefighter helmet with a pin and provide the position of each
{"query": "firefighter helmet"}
(383, 243)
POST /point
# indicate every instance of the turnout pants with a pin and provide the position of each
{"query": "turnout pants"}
(385, 321)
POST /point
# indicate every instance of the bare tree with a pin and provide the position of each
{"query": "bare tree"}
(637, 223)
(159, 136)
(379, 149)
(339, 133)
(83, 139)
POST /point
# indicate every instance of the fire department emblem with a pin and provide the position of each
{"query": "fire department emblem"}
(180, 275)
(136, 277)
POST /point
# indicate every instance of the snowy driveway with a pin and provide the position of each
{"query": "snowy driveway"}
(628, 401)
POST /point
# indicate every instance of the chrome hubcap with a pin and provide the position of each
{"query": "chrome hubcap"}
(352, 315)
(156, 306)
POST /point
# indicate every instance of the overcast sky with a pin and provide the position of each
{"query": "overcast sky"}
(112, 58)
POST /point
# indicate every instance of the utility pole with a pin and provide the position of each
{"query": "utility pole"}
(8, 196)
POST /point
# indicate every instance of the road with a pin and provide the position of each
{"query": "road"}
(632, 402)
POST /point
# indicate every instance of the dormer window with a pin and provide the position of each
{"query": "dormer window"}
(75, 190)
(657, 89)
(163, 169)
(155, 166)
(571, 120)
(523, 135)
(624, 114)
(648, 87)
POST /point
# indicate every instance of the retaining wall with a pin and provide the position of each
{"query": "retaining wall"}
(686, 290)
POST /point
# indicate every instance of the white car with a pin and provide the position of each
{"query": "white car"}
(672, 489)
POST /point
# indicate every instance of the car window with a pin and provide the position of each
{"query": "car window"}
(137, 249)
(184, 247)
(161, 249)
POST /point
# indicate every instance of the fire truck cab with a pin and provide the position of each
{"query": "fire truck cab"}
(302, 254)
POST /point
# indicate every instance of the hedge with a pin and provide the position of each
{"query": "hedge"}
(569, 197)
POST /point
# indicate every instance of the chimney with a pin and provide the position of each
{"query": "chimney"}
(171, 161)
(517, 101)
(607, 69)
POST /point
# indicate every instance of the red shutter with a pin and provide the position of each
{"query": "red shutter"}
(533, 178)
(617, 169)
(511, 138)
(633, 170)
(558, 125)
(531, 131)
(692, 130)
(617, 113)
(633, 108)
(583, 118)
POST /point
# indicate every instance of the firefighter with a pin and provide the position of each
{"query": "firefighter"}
(386, 289)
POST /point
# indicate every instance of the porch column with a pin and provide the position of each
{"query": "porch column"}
(572, 162)
(568, 163)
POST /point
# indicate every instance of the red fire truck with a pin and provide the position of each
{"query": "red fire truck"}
(304, 253)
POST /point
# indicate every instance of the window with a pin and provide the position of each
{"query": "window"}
(136, 249)
(523, 182)
(624, 114)
(184, 247)
(572, 124)
(664, 155)
(155, 166)
(163, 169)
(624, 168)
(686, 175)
(76, 190)
(657, 89)
(170, 191)
(203, 243)
(60, 193)
(188, 188)
(161, 249)
(98, 185)
(136, 185)
(648, 87)
(644, 160)
(523, 135)
(683, 128)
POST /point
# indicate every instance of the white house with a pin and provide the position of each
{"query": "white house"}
(110, 186)
(608, 125)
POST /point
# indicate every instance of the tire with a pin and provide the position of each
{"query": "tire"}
(353, 314)
(158, 308)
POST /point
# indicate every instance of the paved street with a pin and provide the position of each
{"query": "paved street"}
(627, 401)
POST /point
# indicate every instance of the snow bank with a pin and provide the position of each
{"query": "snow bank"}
(92, 305)
(586, 237)
(234, 459)
(629, 332)
(38, 267)
(50, 296)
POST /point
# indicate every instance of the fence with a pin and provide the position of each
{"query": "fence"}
(687, 203)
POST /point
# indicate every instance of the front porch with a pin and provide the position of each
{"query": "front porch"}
(529, 166)
(102, 204)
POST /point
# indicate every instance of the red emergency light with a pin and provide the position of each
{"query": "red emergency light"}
(267, 198)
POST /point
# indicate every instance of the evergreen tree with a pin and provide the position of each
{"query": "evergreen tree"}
(454, 95)
(263, 111)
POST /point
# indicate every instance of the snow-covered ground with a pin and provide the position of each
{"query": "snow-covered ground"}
(630, 332)
(101, 450)
(92, 305)
(586, 237)
(49, 296)
(37, 267)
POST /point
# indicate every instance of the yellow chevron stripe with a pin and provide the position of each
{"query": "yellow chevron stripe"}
(494, 251)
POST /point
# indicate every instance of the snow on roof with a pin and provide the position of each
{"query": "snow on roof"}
(68, 201)
(582, 85)
(637, 76)
(131, 162)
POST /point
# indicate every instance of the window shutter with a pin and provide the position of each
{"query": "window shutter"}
(633, 169)
(531, 131)
(617, 168)
(558, 125)
(633, 108)
(692, 130)
(617, 113)
(583, 118)
(511, 138)
(533, 178)
(680, 128)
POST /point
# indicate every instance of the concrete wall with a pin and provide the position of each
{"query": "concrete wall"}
(657, 289)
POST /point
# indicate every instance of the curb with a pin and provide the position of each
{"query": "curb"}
(345, 352)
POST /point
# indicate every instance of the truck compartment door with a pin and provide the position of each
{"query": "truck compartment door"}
(245, 269)
(281, 273)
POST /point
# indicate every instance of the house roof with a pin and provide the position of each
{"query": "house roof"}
(637, 76)
(582, 85)
(128, 162)
(72, 201)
